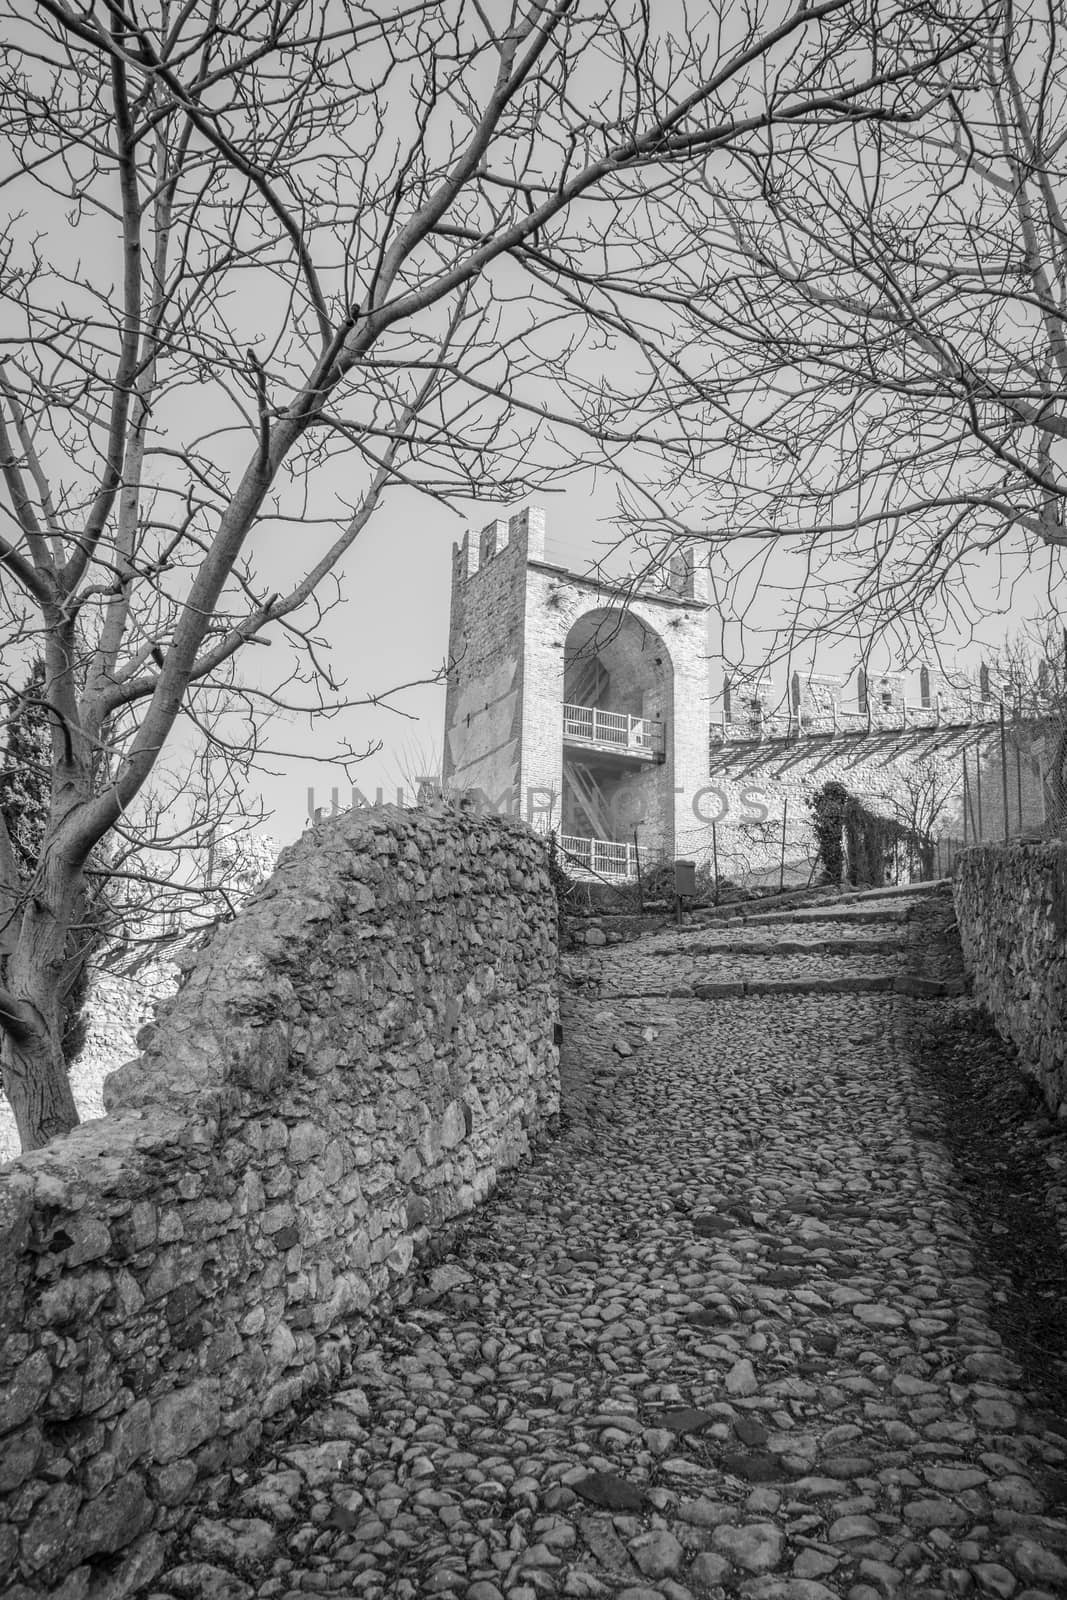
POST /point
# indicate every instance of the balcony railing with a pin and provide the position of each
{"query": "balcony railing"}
(602, 857)
(589, 725)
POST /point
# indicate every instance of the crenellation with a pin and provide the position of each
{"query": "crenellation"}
(492, 540)
(527, 529)
(464, 560)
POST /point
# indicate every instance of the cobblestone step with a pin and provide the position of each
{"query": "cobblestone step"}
(910, 983)
(781, 947)
(836, 913)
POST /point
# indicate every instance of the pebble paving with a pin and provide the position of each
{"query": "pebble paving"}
(730, 1334)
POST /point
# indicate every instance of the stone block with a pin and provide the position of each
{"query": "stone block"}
(21, 1397)
(306, 1141)
(184, 1418)
(114, 1518)
(46, 1545)
(19, 1454)
(454, 1124)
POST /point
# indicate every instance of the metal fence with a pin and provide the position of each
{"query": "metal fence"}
(603, 858)
(776, 854)
(1014, 781)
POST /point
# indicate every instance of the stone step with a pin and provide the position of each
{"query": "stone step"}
(912, 984)
(835, 912)
(787, 947)
(893, 891)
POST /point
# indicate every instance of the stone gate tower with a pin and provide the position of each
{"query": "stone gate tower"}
(580, 707)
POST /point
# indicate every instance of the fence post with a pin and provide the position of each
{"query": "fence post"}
(715, 858)
(978, 789)
(1004, 770)
(785, 816)
(966, 798)
(637, 864)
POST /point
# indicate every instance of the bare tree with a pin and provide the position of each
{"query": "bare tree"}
(872, 335)
(923, 790)
(267, 262)
(184, 859)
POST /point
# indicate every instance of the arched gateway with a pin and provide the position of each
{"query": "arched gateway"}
(582, 708)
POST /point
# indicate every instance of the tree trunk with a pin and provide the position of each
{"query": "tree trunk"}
(36, 979)
(38, 1086)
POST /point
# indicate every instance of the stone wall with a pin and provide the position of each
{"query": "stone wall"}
(1011, 905)
(751, 785)
(349, 1064)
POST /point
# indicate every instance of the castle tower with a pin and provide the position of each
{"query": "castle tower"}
(580, 707)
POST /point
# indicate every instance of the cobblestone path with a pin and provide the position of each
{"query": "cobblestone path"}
(743, 1329)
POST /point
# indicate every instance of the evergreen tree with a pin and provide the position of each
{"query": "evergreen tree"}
(26, 771)
(25, 795)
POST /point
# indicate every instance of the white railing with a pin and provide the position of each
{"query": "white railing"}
(603, 857)
(588, 723)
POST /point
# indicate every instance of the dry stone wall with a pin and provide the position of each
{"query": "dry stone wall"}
(350, 1063)
(1011, 906)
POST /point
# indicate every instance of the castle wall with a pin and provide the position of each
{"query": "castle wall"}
(351, 1062)
(749, 784)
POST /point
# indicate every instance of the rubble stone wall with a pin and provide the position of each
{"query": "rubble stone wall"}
(349, 1064)
(1011, 906)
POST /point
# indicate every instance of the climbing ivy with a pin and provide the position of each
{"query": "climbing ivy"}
(827, 807)
(851, 838)
(26, 771)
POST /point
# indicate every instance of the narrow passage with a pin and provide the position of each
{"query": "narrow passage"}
(755, 1324)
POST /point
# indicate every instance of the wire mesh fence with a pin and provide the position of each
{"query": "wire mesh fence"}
(776, 853)
(1013, 782)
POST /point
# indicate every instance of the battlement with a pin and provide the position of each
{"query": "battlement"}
(822, 702)
(524, 533)
(680, 578)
